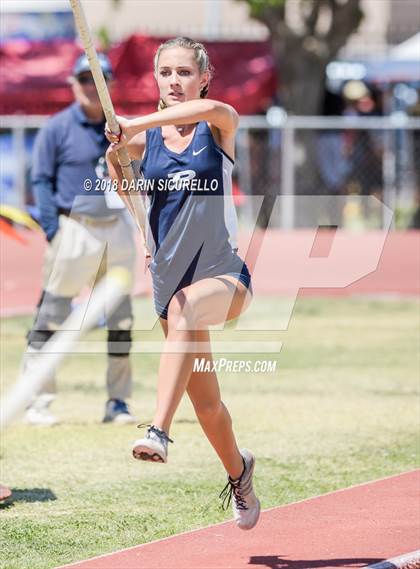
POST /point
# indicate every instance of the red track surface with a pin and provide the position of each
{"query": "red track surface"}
(286, 263)
(350, 528)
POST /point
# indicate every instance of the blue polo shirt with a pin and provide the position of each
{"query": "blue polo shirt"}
(68, 151)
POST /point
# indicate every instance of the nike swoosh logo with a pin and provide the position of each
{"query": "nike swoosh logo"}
(199, 151)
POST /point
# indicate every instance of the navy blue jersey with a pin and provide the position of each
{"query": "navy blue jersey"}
(192, 219)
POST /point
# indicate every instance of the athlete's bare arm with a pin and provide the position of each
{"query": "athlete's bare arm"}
(222, 118)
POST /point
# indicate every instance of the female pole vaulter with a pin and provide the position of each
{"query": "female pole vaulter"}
(187, 150)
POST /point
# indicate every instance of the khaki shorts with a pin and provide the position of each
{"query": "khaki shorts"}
(83, 249)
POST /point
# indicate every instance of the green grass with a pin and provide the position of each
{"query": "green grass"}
(341, 408)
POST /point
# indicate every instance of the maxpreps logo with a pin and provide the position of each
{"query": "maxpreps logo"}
(186, 180)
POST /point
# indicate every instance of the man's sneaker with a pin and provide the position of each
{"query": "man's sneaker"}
(38, 412)
(153, 447)
(116, 411)
(245, 504)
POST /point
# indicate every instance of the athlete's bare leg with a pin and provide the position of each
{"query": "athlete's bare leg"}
(209, 301)
(203, 390)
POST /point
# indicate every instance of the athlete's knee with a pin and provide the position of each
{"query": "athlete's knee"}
(52, 312)
(119, 324)
(119, 342)
(209, 410)
(182, 312)
(122, 317)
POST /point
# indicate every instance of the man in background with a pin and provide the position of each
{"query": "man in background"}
(88, 232)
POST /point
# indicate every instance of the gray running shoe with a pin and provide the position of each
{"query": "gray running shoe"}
(154, 446)
(245, 504)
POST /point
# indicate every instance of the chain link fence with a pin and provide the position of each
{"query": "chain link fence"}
(374, 158)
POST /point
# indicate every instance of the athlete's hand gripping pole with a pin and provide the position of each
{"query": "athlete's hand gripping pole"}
(133, 201)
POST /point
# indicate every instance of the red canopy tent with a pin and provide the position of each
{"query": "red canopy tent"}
(34, 75)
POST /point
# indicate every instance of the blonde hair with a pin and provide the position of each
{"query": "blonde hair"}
(200, 55)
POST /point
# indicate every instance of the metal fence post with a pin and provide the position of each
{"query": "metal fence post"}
(244, 171)
(287, 210)
(389, 176)
(18, 133)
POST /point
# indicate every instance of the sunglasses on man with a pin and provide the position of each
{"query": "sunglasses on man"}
(87, 79)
